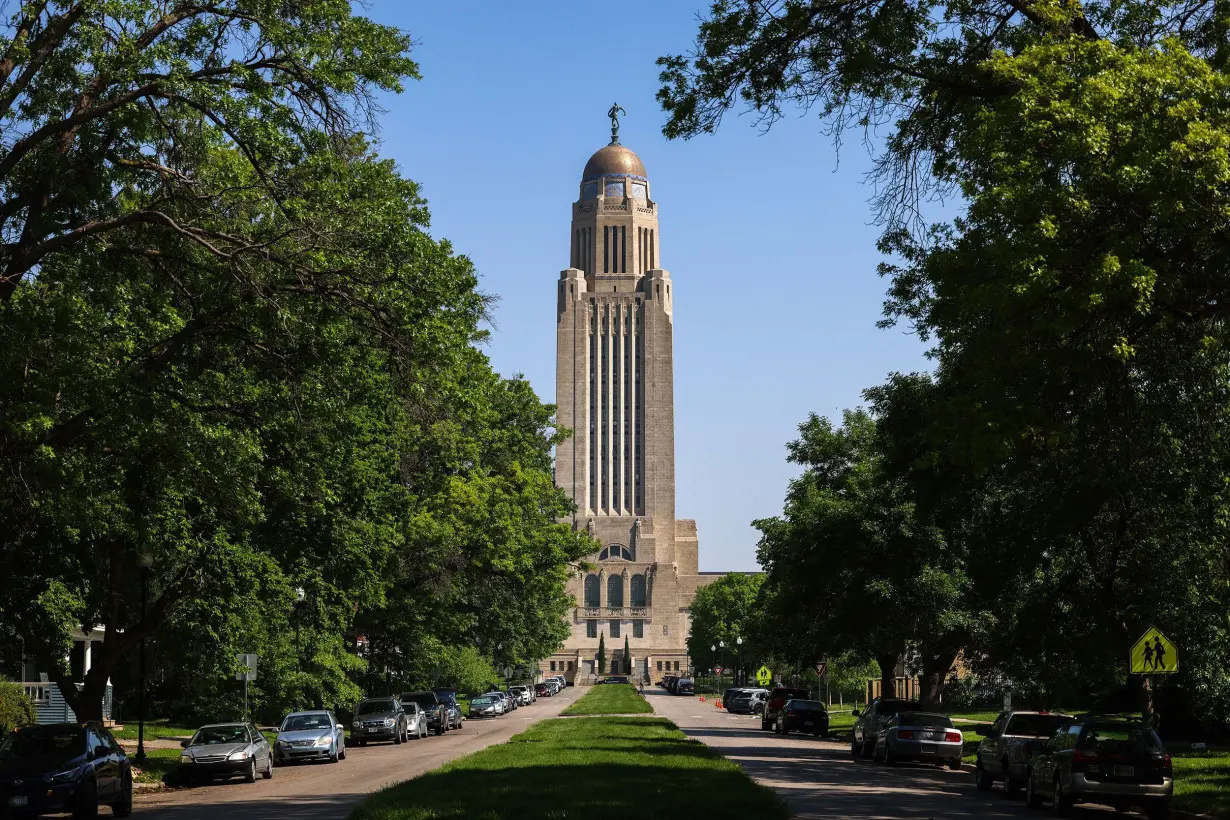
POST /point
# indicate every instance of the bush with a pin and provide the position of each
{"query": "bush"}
(16, 708)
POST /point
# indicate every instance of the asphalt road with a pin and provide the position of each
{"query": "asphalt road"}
(820, 781)
(324, 791)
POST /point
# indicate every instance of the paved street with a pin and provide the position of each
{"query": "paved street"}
(820, 780)
(323, 791)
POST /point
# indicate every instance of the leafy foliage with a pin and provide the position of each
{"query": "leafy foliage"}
(724, 611)
(16, 708)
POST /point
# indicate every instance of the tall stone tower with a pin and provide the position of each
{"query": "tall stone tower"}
(615, 392)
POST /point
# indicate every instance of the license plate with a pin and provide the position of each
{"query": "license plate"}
(809, 723)
(20, 800)
(1125, 771)
(373, 731)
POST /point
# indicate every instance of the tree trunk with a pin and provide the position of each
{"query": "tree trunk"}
(935, 671)
(888, 674)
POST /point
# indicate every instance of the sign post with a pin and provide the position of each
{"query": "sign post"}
(1152, 655)
(246, 673)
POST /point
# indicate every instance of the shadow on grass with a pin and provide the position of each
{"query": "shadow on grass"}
(607, 791)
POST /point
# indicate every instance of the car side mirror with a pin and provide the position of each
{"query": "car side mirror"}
(856, 713)
(184, 743)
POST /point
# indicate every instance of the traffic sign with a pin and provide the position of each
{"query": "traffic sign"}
(717, 670)
(822, 669)
(1154, 654)
(764, 676)
(248, 667)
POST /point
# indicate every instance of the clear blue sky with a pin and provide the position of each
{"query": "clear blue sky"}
(768, 237)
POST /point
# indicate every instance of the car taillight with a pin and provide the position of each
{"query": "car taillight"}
(1167, 766)
(905, 734)
(1085, 756)
(791, 712)
(952, 737)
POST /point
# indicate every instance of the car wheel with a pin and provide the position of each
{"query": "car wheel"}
(87, 801)
(982, 780)
(439, 730)
(397, 738)
(249, 776)
(1157, 811)
(1060, 802)
(955, 763)
(1012, 786)
(889, 760)
(854, 749)
(123, 806)
(268, 773)
(1032, 798)
(334, 754)
(362, 742)
(341, 752)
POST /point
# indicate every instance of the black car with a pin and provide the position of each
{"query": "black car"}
(438, 718)
(615, 679)
(684, 686)
(799, 715)
(63, 767)
(448, 699)
(1109, 761)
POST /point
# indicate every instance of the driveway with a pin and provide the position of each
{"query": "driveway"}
(820, 781)
(323, 791)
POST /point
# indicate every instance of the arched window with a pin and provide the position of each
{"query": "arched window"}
(615, 591)
(638, 590)
(592, 586)
(616, 552)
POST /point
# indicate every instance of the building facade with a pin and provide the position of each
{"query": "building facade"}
(615, 391)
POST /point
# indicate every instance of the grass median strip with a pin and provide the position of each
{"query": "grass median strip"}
(591, 767)
(610, 699)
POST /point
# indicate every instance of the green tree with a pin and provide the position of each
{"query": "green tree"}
(724, 612)
(105, 105)
(601, 654)
(627, 656)
(16, 708)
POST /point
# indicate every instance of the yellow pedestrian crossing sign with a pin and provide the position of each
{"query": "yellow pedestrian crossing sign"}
(764, 676)
(1154, 654)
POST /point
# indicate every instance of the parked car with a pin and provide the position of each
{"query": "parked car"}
(486, 706)
(64, 767)
(776, 700)
(416, 721)
(730, 694)
(504, 697)
(684, 686)
(748, 702)
(668, 683)
(448, 699)
(1009, 744)
(1114, 762)
(311, 735)
(615, 679)
(563, 682)
(801, 715)
(379, 719)
(872, 719)
(439, 717)
(225, 750)
(925, 737)
(542, 690)
(522, 693)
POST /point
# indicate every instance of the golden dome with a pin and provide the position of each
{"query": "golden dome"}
(614, 160)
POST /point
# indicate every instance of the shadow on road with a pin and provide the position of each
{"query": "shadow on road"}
(280, 807)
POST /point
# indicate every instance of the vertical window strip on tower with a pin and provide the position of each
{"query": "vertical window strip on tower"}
(616, 407)
(606, 249)
(653, 252)
(593, 406)
(623, 249)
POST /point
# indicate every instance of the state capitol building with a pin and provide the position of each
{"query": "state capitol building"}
(614, 387)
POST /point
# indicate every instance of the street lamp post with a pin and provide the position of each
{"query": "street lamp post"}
(300, 598)
(739, 659)
(145, 565)
(722, 647)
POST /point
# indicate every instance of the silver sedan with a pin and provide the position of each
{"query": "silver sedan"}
(416, 722)
(925, 737)
(314, 735)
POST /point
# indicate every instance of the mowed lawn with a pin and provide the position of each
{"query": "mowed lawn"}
(610, 699)
(597, 768)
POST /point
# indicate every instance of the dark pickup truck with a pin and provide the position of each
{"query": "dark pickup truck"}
(1010, 743)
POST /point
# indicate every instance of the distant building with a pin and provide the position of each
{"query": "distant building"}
(615, 391)
(49, 703)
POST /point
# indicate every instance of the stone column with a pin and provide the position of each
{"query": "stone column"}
(627, 586)
(602, 588)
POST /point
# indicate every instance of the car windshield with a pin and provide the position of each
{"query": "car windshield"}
(374, 707)
(484, 701)
(423, 699)
(214, 735)
(807, 705)
(54, 744)
(1035, 725)
(924, 719)
(888, 707)
(1122, 737)
(296, 723)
